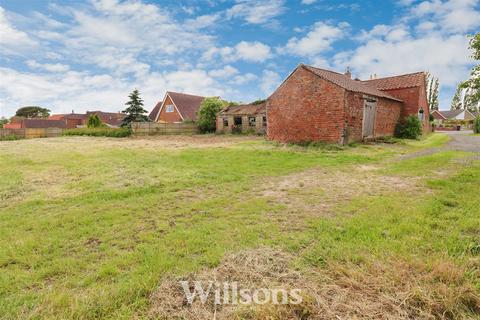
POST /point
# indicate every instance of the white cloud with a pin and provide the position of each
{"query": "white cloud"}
(244, 78)
(12, 41)
(204, 21)
(247, 51)
(256, 11)
(318, 40)
(307, 2)
(450, 16)
(50, 67)
(81, 91)
(269, 82)
(226, 72)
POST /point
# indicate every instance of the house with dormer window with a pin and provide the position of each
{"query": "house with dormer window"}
(176, 108)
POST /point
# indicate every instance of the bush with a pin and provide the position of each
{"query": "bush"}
(409, 128)
(99, 132)
(10, 138)
(476, 125)
(207, 115)
(94, 121)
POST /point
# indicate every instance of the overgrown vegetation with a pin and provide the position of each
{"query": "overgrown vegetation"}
(476, 125)
(99, 132)
(207, 115)
(91, 230)
(94, 121)
(409, 128)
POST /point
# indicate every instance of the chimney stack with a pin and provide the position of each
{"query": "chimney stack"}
(348, 73)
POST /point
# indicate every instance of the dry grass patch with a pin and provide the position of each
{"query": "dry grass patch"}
(317, 192)
(397, 290)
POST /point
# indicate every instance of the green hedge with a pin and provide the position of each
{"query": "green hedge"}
(98, 132)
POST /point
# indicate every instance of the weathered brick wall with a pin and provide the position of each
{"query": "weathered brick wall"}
(354, 115)
(387, 117)
(306, 108)
(413, 99)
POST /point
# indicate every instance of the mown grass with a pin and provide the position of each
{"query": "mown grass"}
(88, 232)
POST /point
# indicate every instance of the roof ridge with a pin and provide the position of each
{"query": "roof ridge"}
(305, 65)
(185, 94)
(400, 75)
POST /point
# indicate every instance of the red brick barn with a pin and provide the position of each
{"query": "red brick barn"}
(313, 104)
(176, 107)
(412, 90)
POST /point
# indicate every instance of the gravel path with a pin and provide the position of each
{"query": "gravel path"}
(459, 141)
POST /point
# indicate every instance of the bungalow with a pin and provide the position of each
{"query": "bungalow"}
(74, 120)
(176, 107)
(441, 116)
(315, 104)
(243, 118)
(35, 123)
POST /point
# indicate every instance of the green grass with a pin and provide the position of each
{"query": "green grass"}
(88, 231)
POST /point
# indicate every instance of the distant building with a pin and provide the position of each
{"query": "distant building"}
(75, 120)
(176, 107)
(441, 116)
(243, 118)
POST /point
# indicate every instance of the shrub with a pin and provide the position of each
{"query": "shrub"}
(99, 132)
(207, 115)
(409, 128)
(476, 125)
(94, 121)
(11, 137)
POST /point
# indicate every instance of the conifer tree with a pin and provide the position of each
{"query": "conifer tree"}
(134, 111)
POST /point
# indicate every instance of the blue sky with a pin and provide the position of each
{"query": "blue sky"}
(86, 55)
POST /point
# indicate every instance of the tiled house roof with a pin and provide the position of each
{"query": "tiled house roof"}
(398, 82)
(347, 83)
(245, 109)
(186, 104)
(43, 123)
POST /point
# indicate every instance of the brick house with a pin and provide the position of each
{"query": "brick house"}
(176, 107)
(314, 104)
(461, 115)
(243, 118)
(75, 120)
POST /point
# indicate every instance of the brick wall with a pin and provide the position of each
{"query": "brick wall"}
(414, 99)
(306, 108)
(169, 117)
(386, 117)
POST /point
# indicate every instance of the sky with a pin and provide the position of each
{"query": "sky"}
(89, 55)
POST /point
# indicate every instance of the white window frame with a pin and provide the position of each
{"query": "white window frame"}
(169, 108)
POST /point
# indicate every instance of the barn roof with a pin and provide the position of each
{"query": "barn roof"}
(347, 83)
(43, 123)
(187, 104)
(410, 80)
(245, 109)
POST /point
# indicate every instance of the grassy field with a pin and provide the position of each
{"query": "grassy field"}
(90, 227)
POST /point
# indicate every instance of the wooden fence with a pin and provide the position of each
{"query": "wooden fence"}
(30, 133)
(153, 128)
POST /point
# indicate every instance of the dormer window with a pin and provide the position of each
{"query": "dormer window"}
(169, 108)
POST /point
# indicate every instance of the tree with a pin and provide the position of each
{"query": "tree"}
(207, 115)
(457, 99)
(472, 85)
(2, 122)
(94, 121)
(433, 87)
(32, 112)
(135, 111)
